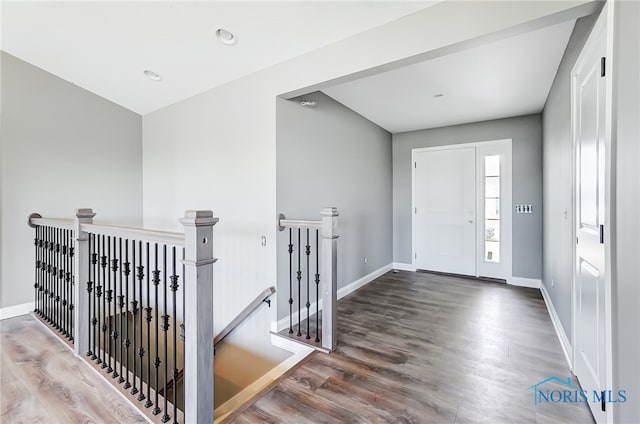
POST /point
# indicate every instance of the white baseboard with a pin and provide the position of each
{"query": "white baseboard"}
(16, 310)
(403, 267)
(362, 281)
(562, 336)
(525, 282)
(299, 351)
(283, 323)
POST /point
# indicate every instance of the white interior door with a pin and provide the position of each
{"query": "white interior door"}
(589, 127)
(445, 210)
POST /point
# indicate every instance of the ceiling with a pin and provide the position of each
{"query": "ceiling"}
(104, 47)
(504, 78)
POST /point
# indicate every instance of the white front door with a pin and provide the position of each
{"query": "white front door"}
(445, 210)
(589, 127)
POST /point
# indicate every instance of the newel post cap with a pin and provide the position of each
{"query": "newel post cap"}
(329, 211)
(198, 218)
(85, 213)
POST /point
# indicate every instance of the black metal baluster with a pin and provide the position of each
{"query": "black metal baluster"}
(103, 263)
(174, 288)
(134, 311)
(51, 277)
(99, 288)
(182, 327)
(73, 281)
(290, 282)
(43, 271)
(63, 286)
(111, 308)
(60, 281)
(54, 274)
(156, 281)
(37, 271)
(308, 305)
(148, 311)
(165, 327)
(66, 277)
(51, 270)
(43, 265)
(121, 305)
(90, 285)
(299, 278)
(141, 351)
(45, 297)
(94, 320)
(56, 314)
(317, 287)
(127, 341)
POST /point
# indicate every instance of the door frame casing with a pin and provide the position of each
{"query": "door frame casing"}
(506, 186)
(603, 23)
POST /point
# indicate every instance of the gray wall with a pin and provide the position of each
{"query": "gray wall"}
(557, 262)
(626, 277)
(62, 148)
(525, 131)
(331, 156)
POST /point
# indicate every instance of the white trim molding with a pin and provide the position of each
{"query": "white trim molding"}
(403, 267)
(533, 283)
(562, 336)
(283, 323)
(299, 350)
(16, 310)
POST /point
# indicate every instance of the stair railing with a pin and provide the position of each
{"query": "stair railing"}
(312, 251)
(136, 304)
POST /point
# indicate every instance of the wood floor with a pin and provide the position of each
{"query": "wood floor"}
(42, 381)
(425, 348)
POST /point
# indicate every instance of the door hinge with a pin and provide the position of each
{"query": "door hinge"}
(603, 63)
(415, 165)
(577, 240)
(601, 234)
(415, 256)
(415, 210)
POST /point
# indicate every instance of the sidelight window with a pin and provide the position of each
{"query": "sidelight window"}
(492, 208)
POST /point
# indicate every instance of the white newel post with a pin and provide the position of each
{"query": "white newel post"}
(329, 277)
(198, 316)
(80, 294)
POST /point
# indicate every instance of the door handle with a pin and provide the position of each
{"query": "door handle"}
(601, 234)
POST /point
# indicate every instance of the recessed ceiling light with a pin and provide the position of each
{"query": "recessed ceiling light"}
(152, 75)
(226, 37)
(438, 95)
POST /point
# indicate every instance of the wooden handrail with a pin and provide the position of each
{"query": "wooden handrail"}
(156, 236)
(302, 223)
(37, 220)
(255, 303)
(260, 299)
(167, 237)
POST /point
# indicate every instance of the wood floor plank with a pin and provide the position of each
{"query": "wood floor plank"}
(421, 347)
(51, 384)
